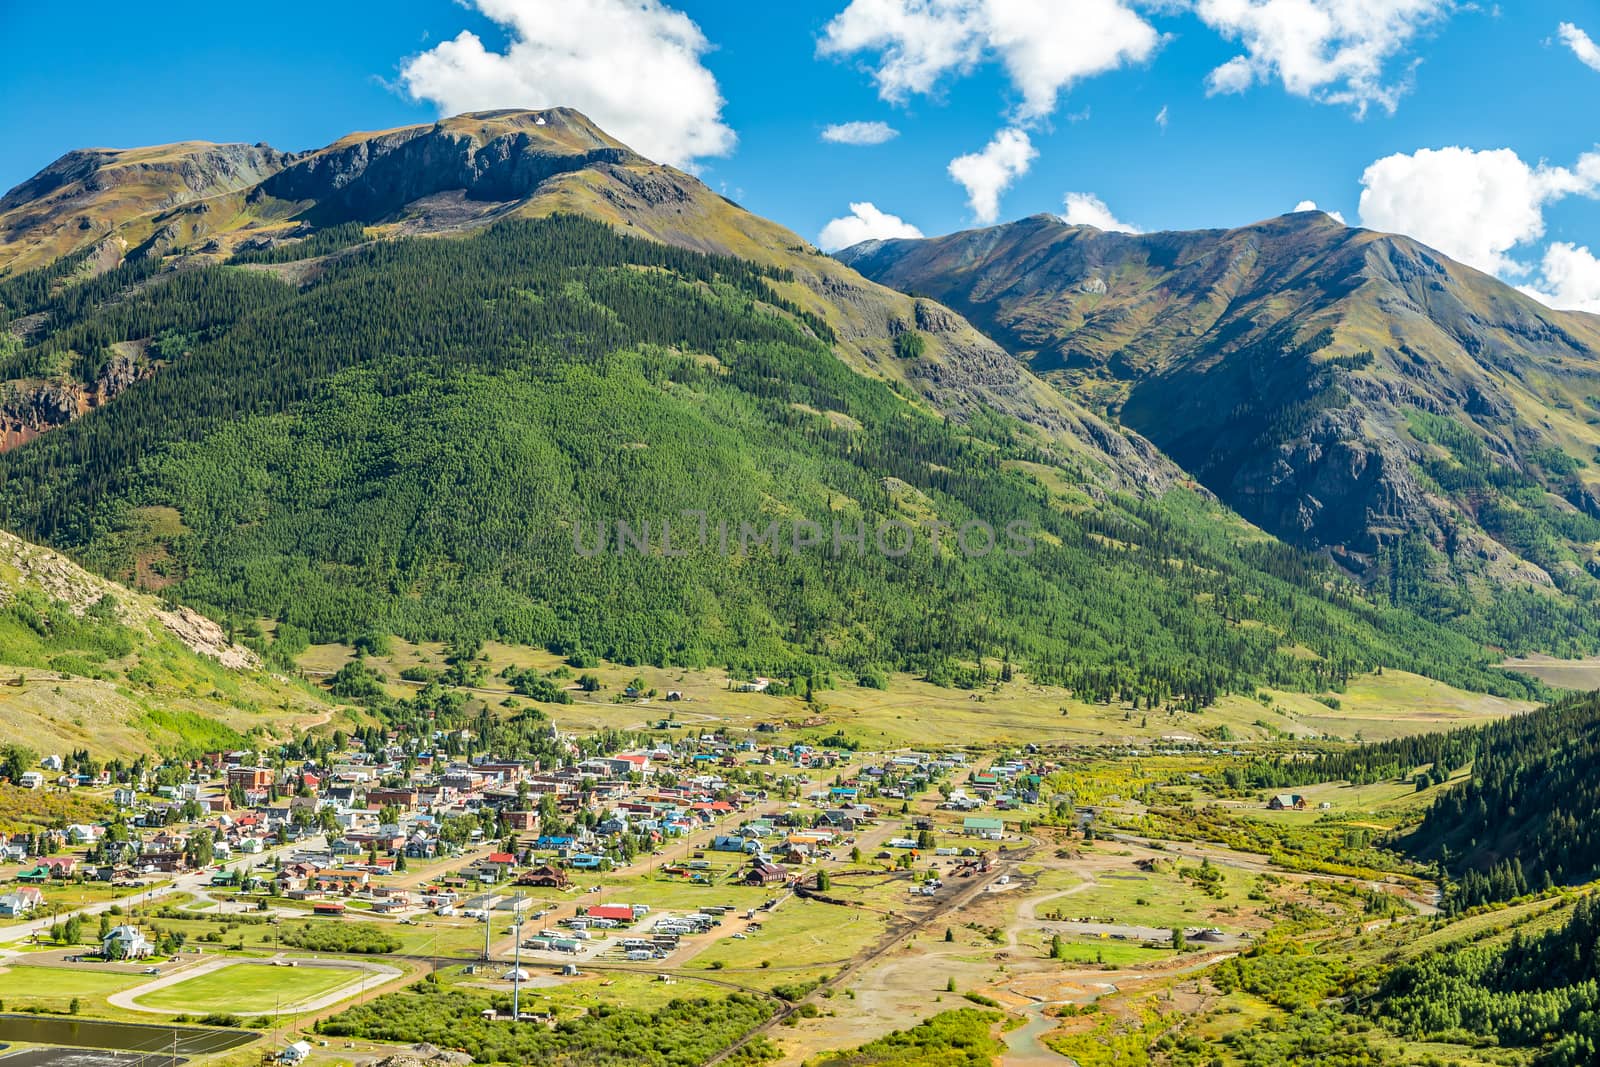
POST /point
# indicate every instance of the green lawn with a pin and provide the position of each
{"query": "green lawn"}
(1113, 952)
(247, 989)
(70, 896)
(54, 987)
(1158, 898)
(799, 934)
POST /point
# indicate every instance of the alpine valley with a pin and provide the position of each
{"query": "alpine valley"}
(1216, 699)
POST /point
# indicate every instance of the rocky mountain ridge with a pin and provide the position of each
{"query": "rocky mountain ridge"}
(1342, 388)
(471, 170)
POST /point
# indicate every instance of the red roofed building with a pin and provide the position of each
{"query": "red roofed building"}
(619, 912)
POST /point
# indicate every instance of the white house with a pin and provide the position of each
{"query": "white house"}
(126, 943)
(295, 1053)
(20, 902)
(30, 780)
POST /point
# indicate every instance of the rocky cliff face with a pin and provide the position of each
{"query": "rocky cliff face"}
(1308, 373)
(88, 194)
(30, 407)
(492, 156)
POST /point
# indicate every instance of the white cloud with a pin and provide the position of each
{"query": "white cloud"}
(1161, 117)
(1086, 209)
(917, 41)
(1333, 51)
(1048, 46)
(1045, 45)
(864, 223)
(860, 133)
(1473, 206)
(1582, 45)
(633, 66)
(1311, 205)
(989, 173)
(1571, 279)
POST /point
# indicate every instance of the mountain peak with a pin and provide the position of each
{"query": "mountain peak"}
(496, 156)
(89, 193)
(1300, 368)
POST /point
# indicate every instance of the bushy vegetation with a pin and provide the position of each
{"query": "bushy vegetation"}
(684, 1032)
(1286, 974)
(959, 1038)
(353, 937)
(36, 631)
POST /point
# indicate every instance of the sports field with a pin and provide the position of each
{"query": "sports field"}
(248, 989)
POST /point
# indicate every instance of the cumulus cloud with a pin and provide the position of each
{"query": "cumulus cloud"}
(1582, 45)
(633, 66)
(1471, 205)
(1570, 278)
(989, 173)
(1045, 45)
(860, 133)
(1311, 205)
(1333, 51)
(1086, 209)
(864, 223)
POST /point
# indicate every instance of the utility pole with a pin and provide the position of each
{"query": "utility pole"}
(516, 966)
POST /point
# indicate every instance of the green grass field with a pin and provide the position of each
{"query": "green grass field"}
(800, 934)
(247, 989)
(914, 712)
(54, 987)
(1376, 707)
(1112, 952)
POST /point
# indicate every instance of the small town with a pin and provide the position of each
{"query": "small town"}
(367, 861)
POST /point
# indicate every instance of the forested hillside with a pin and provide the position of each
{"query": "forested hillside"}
(1357, 392)
(1524, 819)
(1528, 815)
(1540, 991)
(181, 206)
(404, 438)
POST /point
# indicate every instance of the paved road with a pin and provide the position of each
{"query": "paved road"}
(195, 882)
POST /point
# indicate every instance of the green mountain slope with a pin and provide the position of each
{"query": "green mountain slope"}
(1537, 991)
(1523, 819)
(1347, 390)
(198, 204)
(402, 435)
(89, 664)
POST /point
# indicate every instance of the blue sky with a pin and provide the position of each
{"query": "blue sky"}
(1505, 83)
